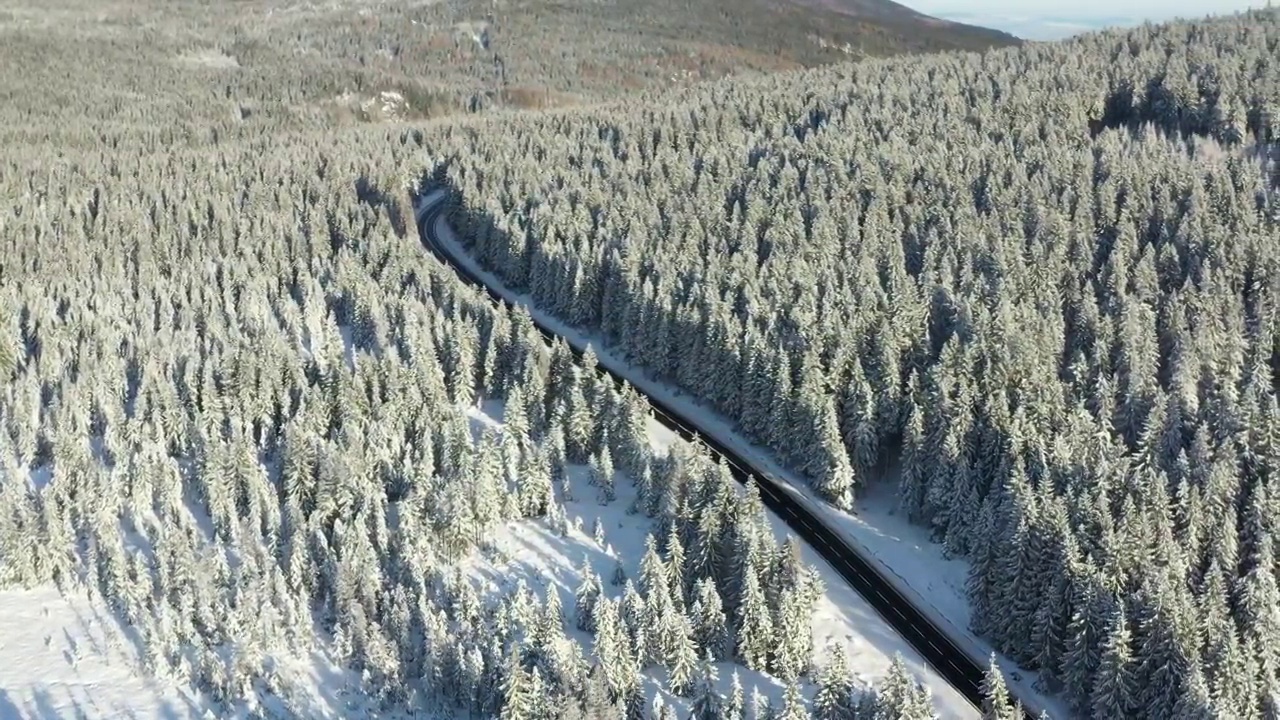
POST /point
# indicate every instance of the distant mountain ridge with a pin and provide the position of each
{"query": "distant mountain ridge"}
(941, 33)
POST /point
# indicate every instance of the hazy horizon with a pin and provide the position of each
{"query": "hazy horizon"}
(1055, 19)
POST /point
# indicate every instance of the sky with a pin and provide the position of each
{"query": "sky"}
(1053, 19)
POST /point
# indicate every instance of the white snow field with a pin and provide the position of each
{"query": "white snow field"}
(915, 564)
(530, 551)
(67, 657)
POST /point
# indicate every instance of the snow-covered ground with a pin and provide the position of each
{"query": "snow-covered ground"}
(915, 564)
(67, 657)
(533, 553)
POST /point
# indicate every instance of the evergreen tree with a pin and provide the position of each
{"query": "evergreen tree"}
(755, 627)
(734, 708)
(995, 695)
(707, 703)
(793, 707)
(518, 701)
(683, 663)
(1082, 654)
(676, 569)
(1113, 691)
(585, 599)
(602, 476)
(760, 707)
(710, 631)
(835, 688)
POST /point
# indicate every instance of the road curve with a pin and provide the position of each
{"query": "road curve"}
(949, 661)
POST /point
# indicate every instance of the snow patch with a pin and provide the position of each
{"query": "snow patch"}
(68, 657)
(478, 31)
(211, 58)
(390, 104)
(387, 105)
(40, 476)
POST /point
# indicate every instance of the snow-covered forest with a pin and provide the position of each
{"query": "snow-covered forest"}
(262, 456)
(1034, 289)
(238, 411)
(243, 471)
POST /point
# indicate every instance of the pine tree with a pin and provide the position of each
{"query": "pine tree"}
(579, 419)
(982, 578)
(517, 699)
(676, 569)
(632, 432)
(836, 480)
(635, 616)
(912, 485)
(733, 706)
(666, 712)
(995, 695)
(710, 625)
(1113, 689)
(793, 707)
(515, 419)
(596, 699)
(602, 476)
(1081, 660)
(1194, 701)
(588, 593)
(899, 695)
(634, 705)
(683, 664)
(755, 626)
(707, 703)
(534, 489)
(617, 666)
(835, 688)
(760, 707)
(793, 634)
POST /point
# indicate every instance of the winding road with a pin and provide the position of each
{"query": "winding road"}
(949, 661)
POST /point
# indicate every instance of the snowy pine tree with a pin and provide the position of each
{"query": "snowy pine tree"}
(707, 703)
(995, 695)
(588, 593)
(755, 632)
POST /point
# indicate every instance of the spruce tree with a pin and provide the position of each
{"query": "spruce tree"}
(711, 631)
(588, 593)
(833, 700)
(734, 707)
(707, 703)
(682, 665)
(793, 706)
(1114, 693)
(755, 632)
(995, 695)
(517, 700)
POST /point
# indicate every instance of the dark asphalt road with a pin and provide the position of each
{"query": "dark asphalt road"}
(913, 625)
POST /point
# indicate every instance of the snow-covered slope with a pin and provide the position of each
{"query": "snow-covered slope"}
(533, 553)
(63, 657)
(68, 656)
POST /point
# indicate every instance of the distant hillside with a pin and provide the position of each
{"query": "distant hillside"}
(648, 42)
(284, 62)
(917, 31)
